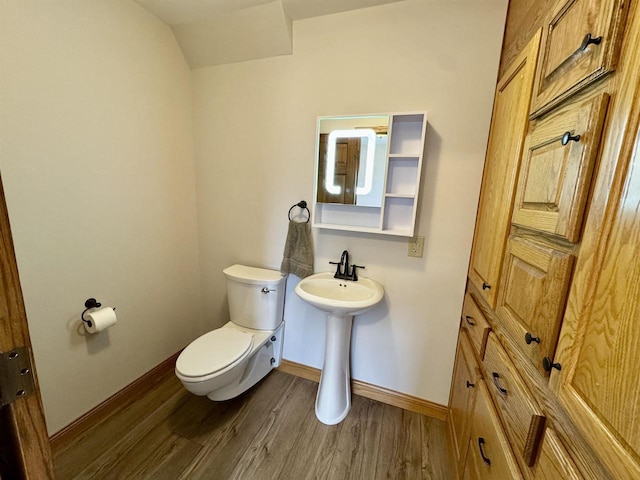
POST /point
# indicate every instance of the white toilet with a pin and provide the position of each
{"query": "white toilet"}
(225, 362)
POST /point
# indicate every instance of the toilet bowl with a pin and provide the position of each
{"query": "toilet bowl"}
(226, 362)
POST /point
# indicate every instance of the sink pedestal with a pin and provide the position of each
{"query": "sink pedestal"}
(334, 393)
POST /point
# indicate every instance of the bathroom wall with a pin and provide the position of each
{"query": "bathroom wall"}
(254, 130)
(96, 156)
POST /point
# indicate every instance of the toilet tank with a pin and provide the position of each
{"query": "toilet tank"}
(256, 296)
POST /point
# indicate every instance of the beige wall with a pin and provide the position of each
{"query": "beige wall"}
(96, 157)
(254, 125)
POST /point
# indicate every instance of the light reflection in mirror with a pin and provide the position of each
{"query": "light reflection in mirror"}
(351, 159)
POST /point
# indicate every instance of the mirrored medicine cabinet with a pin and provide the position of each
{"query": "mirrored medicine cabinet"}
(368, 172)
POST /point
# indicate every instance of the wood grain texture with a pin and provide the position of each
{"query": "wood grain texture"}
(118, 400)
(508, 128)
(462, 398)
(524, 19)
(374, 392)
(269, 432)
(515, 404)
(564, 66)
(24, 432)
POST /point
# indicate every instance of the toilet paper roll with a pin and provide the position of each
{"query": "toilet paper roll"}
(100, 319)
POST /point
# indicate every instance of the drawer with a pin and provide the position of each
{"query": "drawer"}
(474, 323)
(557, 164)
(523, 419)
(533, 297)
(580, 43)
(466, 374)
(554, 462)
(490, 456)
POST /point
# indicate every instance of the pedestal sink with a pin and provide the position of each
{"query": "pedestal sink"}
(341, 300)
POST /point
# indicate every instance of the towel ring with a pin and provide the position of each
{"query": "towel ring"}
(301, 204)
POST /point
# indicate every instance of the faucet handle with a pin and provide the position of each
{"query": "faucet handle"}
(337, 268)
(354, 275)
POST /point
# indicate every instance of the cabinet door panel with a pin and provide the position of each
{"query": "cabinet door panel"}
(463, 388)
(558, 160)
(523, 419)
(535, 284)
(599, 346)
(489, 450)
(475, 324)
(569, 60)
(508, 128)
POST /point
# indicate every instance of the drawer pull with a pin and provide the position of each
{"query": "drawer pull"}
(567, 137)
(486, 286)
(468, 318)
(470, 385)
(484, 458)
(589, 40)
(530, 338)
(548, 364)
(496, 376)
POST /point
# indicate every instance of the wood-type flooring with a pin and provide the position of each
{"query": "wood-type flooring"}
(269, 432)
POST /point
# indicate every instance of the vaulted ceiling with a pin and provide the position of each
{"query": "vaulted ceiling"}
(213, 32)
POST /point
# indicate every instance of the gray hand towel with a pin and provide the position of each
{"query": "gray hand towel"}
(298, 250)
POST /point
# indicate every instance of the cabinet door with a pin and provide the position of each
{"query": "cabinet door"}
(523, 420)
(580, 43)
(508, 128)
(558, 160)
(475, 324)
(490, 455)
(463, 388)
(535, 285)
(599, 347)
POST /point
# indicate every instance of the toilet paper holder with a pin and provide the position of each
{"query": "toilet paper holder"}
(89, 304)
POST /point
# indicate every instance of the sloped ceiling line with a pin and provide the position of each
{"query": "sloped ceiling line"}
(215, 32)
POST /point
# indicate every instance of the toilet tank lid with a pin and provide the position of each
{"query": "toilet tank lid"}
(253, 275)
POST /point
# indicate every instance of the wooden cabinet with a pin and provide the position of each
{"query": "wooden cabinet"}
(475, 324)
(568, 290)
(523, 419)
(580, 43)
(558, 160)
(535, 282)
(599, 347)
(490, 455)
(466, 375)
(554, 463)
(509, 123)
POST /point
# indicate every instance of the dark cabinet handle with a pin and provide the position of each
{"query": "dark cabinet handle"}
(567, 137)
(470, 385)
(548, 364)
(496, 377)
(484, 458)
(486, 286)
(468, 318)
(530, 338)
(589, 40)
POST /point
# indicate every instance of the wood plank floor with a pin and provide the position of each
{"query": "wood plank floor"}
(269, 432)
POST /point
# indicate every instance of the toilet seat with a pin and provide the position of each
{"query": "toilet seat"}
(214, 351)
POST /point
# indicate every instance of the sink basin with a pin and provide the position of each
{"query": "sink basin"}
(340, 300)
(339, 297)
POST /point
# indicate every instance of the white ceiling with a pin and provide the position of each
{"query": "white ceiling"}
(213, 32)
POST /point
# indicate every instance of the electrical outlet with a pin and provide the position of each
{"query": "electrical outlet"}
(416, 246)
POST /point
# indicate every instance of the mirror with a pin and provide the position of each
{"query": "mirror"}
(351, 159)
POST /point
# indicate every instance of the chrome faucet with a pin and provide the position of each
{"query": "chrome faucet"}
(342, 269)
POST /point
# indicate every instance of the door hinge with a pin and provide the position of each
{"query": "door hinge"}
(16, 375)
